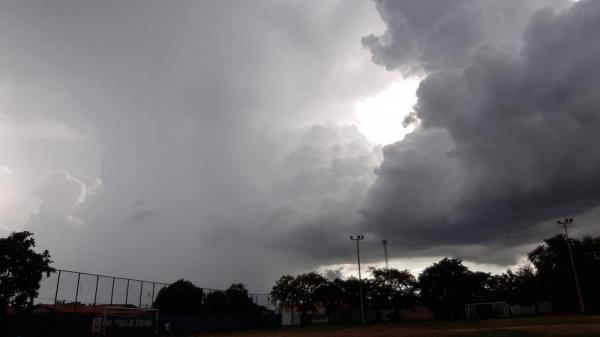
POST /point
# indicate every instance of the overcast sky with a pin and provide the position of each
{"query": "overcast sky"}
(224, 141)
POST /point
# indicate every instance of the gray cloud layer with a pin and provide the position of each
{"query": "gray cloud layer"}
(507, 139)
(191, 139)
(205, 123)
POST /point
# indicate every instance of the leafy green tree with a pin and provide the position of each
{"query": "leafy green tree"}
(181, 297)
(21, 270)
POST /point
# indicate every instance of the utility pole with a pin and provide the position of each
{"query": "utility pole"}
(358, 238)
(385, 241)
(564, 223)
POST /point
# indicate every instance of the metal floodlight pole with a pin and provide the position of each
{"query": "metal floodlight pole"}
(564, 223)
(358, 238)
(385, 253)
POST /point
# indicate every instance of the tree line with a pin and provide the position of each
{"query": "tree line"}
(444, 286)
(447, 285)
(185, 298)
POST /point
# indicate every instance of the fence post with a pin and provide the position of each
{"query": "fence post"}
(141, 289)
(76, 292)
(96, 292)
(152, 299)
(127, 292)
(56, 292)
(112, 291)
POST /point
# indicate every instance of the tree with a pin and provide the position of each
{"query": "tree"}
(556, 276)
(522, 286)
(284, 292)
(446, 286)
(233, 301)
(21, 270)
(393, 289)
(238, 302)
(215, 303)
(330, 295)
(181, 297)
(299, 292)
(306, 286)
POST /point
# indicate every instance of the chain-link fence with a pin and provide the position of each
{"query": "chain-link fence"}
(81, 291)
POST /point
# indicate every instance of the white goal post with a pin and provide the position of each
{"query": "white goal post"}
(126, 321)
(487, 310)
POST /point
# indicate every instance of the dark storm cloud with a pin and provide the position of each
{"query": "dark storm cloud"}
(437, 34)
(507, 140)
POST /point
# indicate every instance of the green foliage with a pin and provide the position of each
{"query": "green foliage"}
(21, 270)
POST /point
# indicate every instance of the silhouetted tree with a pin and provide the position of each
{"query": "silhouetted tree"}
(522, 286)
(238, 302)
(299, 292)
(235, 300)
(392, 289)
(215, 303)
(181, 297)
(556, 276)
(446, 286)
(284, 292)
(21, 270)
(330, 295)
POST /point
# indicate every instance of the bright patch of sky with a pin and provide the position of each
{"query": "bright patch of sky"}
(380, 117)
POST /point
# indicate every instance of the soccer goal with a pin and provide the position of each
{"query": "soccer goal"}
(487, 310)
(126, 321)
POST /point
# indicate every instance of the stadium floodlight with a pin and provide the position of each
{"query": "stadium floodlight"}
(564, 223)
(487, 310)
(358, 238)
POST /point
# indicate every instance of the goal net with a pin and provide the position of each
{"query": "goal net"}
(126, 321)
(487, 310)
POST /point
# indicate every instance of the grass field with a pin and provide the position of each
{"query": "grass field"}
(524, 327)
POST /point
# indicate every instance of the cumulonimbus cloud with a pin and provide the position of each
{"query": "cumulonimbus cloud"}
(507, 135)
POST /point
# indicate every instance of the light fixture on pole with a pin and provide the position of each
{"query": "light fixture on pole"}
(358, 238)
(564, 223)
